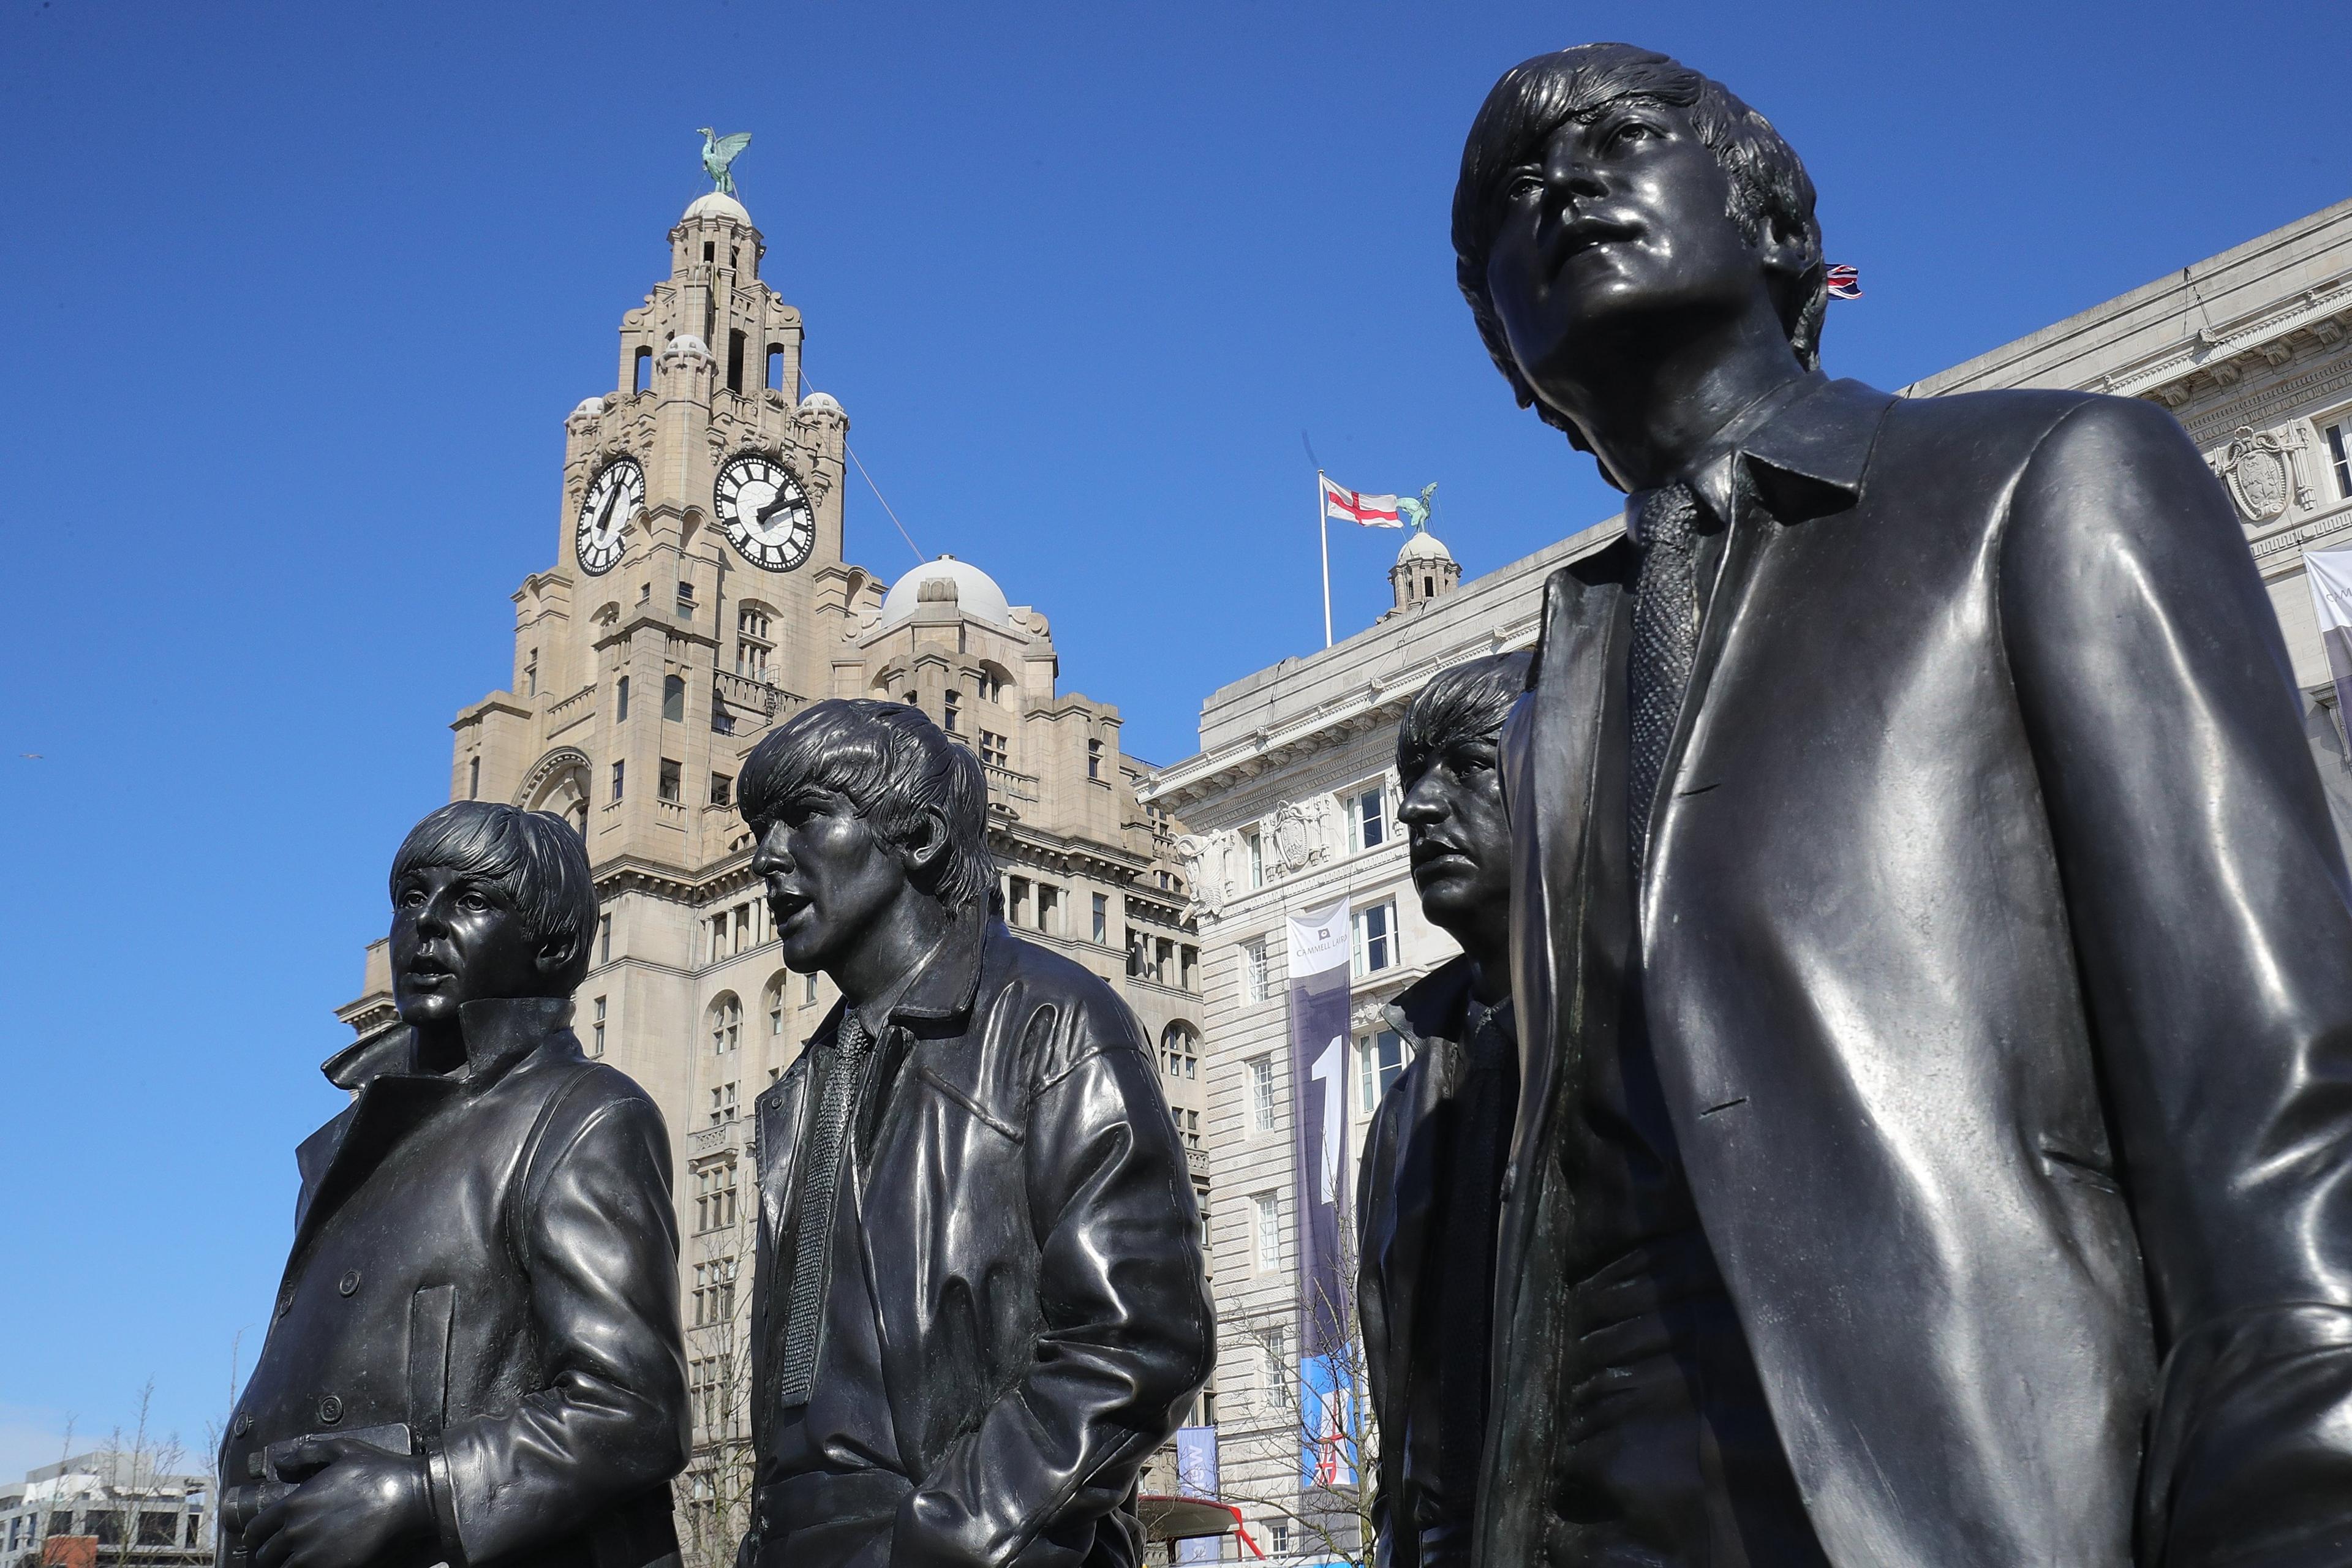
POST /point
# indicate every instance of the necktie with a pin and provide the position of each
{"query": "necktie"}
(818, 1186)
(1665, 637)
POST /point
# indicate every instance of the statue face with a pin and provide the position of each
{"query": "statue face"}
(1453, 819)
(458, 937)
(830, 879)
(1616, 238)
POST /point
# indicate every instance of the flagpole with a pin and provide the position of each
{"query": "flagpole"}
(1323, 522)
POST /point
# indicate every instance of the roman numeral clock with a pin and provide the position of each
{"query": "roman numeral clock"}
(764, 512)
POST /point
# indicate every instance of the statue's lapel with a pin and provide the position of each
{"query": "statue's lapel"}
(349, 1148)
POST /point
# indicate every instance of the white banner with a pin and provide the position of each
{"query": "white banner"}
(2330, 572)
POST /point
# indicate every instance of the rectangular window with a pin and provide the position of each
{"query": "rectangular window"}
(1049, 908)
(1188, 1126)
(531, 675)
(722, 1104)
(1376, 944)
(618, 774)
(473, 778)
(674, 697)
(1256, 845)
(604, 939)
(2339, 457)
(722, 790)
(621, 699)
(1094, 759)
(1366, 814)
(1189, 975)
(995, 750)
(597, 1041)
(953, 709)
(1256, 984)
(808, 989)
(1265, 1230)
(1379, 1058)
(1163, 960)
(671, 785)
(685, 600)
(742, 928)
(718, 938)
(1102, 920)
(1260, 1072)
(1016, 902)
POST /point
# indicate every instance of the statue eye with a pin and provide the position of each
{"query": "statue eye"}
(1628, 131)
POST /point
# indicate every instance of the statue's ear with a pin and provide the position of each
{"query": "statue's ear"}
(555, 954)
(927, 845)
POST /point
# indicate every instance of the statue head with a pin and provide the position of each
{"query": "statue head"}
(488, 901)
(863, 809)
(1614, 202)
(1453, 810)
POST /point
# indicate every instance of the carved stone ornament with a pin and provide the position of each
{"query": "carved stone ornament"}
(1203, 859)
(2256, 468)
(1294, 839)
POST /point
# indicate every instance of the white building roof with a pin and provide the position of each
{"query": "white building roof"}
(975, 590)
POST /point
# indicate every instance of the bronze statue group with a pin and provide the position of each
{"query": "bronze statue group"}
(1890, 1108)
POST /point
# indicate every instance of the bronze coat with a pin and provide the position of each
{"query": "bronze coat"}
(492, 1262)
(1996, 948)
(1031, 1241)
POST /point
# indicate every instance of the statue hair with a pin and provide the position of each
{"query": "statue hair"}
(1466, 702)
(893, 765)
(536, 859)
(1769, 187)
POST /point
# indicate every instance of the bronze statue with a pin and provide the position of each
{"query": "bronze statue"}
(1930, 943)
(980, 1301)
(475, 1356)
(1429, 1184)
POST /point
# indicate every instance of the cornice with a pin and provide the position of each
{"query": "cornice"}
(496, 703)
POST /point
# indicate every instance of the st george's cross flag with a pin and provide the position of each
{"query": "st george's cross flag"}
(1344, 505)
(1843, 282)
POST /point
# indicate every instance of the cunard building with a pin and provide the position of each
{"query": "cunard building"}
(700, 593)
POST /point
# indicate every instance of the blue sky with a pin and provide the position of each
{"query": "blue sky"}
(301, 297)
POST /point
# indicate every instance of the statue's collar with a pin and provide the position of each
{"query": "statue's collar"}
(498, 1031)
(1805, 445)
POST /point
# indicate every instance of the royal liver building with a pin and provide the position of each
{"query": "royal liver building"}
(700, 594)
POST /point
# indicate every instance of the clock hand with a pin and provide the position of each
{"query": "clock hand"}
(604, 513)
(785, 498)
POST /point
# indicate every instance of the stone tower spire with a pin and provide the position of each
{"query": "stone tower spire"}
(1424, 570)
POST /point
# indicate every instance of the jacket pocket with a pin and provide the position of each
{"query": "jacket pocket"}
(980, 1114)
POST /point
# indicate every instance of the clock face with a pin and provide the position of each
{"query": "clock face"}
(604, 514)
(764, 510)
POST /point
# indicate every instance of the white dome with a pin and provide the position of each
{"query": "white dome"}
(822, 402)
(1422, 546)
(687, 343)
(588, 405)
(975, 591)
(716, 203)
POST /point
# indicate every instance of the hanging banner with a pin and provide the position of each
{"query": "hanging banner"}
(2330, 572)
(1320, 950)
(1196, 1477)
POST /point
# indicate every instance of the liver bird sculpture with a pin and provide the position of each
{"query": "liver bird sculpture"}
(718, 152)
(1416, 512)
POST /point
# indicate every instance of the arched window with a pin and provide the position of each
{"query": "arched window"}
(642, 379)
(674, 696)
(993, 678)
(772, 1001)
(775, 367)
(1179, 1051)
(753, 640)
(726, 1024)
(736, 345)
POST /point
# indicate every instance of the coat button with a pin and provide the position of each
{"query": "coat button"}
(349, 1282)
(244, 1422)
(331, 1410)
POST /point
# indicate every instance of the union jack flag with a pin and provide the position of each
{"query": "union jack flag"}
(1844, 283)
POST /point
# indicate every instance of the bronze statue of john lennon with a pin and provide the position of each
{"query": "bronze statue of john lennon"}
(1930, 944)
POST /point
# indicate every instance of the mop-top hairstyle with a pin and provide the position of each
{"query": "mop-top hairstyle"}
(535, 858)
(1467, 701)
(893, 765)
(1770, 188)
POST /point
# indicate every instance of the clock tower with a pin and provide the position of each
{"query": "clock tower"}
(698, 596)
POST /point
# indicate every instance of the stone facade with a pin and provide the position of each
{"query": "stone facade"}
(2249, 349)
(657, 650)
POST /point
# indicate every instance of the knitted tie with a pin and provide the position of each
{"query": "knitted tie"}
(822, 1180)
(1665, 637)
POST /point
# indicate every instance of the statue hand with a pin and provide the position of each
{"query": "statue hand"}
(357, 1507)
